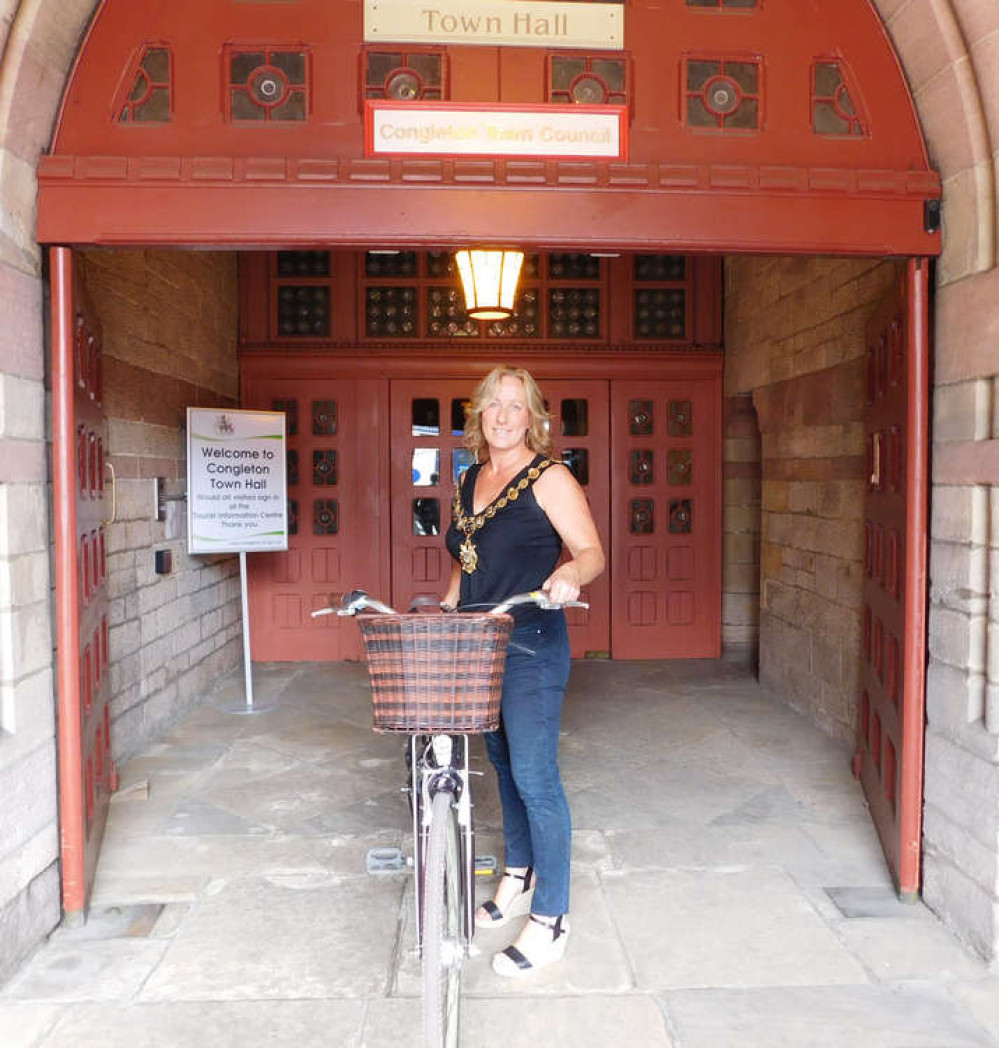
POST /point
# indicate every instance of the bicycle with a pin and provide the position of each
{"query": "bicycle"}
(425, 659)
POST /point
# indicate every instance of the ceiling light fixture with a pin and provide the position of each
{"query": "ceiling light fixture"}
(489, 279)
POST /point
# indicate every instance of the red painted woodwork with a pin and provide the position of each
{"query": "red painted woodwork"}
(684, 587)
(890, 733)
(86, 771)
(426, 423)
(581, 428)
(666, 491)
(336, 471)
(775, 182)
(346, 283)
(421, 565)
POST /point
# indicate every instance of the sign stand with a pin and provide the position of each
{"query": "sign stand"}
(247, 706)
(237, 499)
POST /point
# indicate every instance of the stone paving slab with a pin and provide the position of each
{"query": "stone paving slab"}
(980, 1000)
(291, 936)
(907, 1016)
(701, 928)
(86, 971)
(893, 949)
(25, 1025)
(220, 1024)
(593, 1021)
(728, 887)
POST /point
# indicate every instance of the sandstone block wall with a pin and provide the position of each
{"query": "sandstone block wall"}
(169, 326)
(794, 333)
(741, 522)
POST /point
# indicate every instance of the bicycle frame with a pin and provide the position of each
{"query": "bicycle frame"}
(440, 762)
(439, 765)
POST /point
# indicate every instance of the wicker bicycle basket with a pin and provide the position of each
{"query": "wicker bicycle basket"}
(436, 673)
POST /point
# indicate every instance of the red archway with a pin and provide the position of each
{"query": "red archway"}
(811, 146)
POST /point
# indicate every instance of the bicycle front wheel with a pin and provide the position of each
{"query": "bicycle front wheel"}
(443, 945)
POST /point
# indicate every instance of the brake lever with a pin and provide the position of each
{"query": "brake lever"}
(350, 604)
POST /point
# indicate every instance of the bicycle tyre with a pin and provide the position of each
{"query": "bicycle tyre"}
(443, 947)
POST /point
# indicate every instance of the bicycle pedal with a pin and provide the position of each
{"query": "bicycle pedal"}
(485, 865)
(385, 860)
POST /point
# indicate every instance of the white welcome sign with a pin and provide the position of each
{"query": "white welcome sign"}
(236, 489)
(524, 23)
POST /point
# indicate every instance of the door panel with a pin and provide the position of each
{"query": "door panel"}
(666, 499)
(580, 412)
(335, 528)
(83, 497)
(428, 455)
(890, 734)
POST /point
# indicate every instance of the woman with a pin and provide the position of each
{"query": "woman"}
(513, 511)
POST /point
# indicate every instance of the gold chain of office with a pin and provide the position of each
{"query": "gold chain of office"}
(470, 524)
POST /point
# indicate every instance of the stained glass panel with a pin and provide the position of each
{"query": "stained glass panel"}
(642, 518)
(578, 462)
(324, 418)
(641, 467)
(426, 516)
(325, 517)
(640, 418)
(324, 467)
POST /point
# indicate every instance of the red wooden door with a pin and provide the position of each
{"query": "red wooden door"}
(428, 456)
(666, 498)
(335, 432)
(580, 412)
(890, 735)
(83, 497)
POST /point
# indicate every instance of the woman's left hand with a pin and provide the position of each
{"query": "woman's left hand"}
(562, 585)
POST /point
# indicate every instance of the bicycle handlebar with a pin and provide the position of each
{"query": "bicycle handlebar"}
(538, 597)
(357, 600)
(353, 602)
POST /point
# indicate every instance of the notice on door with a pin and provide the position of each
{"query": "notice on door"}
(236, 486)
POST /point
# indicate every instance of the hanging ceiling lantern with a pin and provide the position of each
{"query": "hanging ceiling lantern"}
(489, 278)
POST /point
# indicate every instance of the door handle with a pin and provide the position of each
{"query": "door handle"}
(114, 500)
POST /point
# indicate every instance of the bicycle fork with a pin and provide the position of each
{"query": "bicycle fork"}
(440, 762)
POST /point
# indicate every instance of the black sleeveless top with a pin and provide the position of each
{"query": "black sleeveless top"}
(517, 548)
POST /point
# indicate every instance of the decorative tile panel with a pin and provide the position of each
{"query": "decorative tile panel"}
(149, 100)
(270, 85)
(587, 80)
(573, 313)
(405, 76)
(660, 313)
(446, 316)
(390, 312)
(303, 263)
(303, 311)
(833, 108)
(722, 94)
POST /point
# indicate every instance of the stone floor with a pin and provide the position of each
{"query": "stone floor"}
(728, 888)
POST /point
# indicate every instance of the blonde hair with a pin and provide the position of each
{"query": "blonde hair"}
(538, 435)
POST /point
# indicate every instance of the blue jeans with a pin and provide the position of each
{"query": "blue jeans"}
(536, 827)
